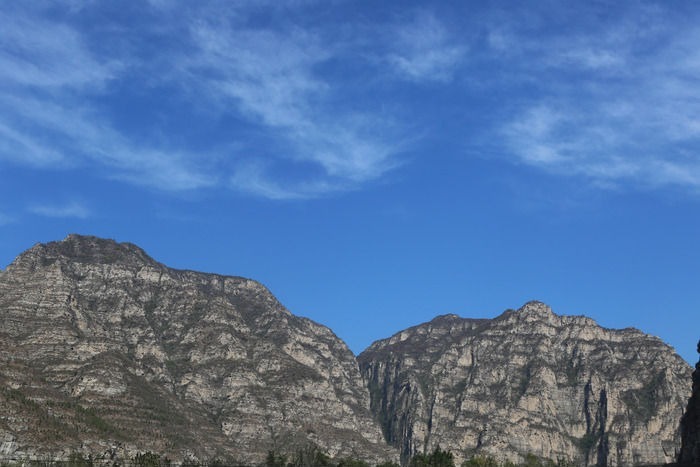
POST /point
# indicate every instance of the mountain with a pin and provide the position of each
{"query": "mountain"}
(106, 351)
(528, 382)
(690, 424)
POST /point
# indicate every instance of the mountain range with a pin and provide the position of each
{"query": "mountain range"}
(105, 351)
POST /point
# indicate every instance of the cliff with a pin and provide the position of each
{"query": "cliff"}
(106, 351)
(528, 381)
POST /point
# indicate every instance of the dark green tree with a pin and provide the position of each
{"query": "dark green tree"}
(350, 462)
(420, 460)
(216, 462)
(532, 460)
(274, 459)
(481, 461)
(310, 456)
(438, 458)
(76, 459)
(149, 459)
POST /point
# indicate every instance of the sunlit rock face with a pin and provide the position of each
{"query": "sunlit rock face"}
(529, 381)
(690, 425)
(106, 351)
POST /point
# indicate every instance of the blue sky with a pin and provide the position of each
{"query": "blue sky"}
(373, 163)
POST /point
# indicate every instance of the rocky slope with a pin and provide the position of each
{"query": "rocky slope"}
(529, 381)
(104, 350)
(690, 425)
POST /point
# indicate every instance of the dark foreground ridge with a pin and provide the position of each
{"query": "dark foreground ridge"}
(105, 352)
(690, 425)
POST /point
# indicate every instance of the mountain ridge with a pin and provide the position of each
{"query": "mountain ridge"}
(591, 394)
(93, 322)
(111, 352)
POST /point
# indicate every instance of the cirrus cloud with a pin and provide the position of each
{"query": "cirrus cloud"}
(609, 110)
(73, 209)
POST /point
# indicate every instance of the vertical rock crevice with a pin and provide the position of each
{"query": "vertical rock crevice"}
(595, 443)
(603, 445)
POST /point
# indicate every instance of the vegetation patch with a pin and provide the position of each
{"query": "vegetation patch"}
(587, 441)
(643, 403)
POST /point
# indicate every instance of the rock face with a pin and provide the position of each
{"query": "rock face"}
(690, 425)
(104, 350)
(528, 381)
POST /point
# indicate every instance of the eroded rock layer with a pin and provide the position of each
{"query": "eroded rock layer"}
(529, 381)
(104, 350)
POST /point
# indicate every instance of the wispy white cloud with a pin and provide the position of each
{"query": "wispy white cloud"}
(253, 177)
(594, 102)
(613, 112)
(5, 219)
(424, 50)
(49, 76)
(70, 210)
(21, 147)
(50, 117)
(270, 77)
(47, 55)
(42, 65)
(75, 136)
(567, 141)
(268, 74)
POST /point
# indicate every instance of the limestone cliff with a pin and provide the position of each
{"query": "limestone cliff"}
(528, 381)
(690, 425)
(104, 350)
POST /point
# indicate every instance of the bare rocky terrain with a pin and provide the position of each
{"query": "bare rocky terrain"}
(105, 351)
(529, 381)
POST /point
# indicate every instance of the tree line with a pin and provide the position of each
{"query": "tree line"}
(310, 456)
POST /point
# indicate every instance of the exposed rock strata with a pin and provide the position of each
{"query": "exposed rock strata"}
(105, 350)
(690, 425)
(528, 381)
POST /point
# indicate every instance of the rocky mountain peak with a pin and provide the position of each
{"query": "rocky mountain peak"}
(536, 308)
(107, 351)
(528, 382)
(102, 346)
(530, 312)
(446, 321)
(83, 249)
